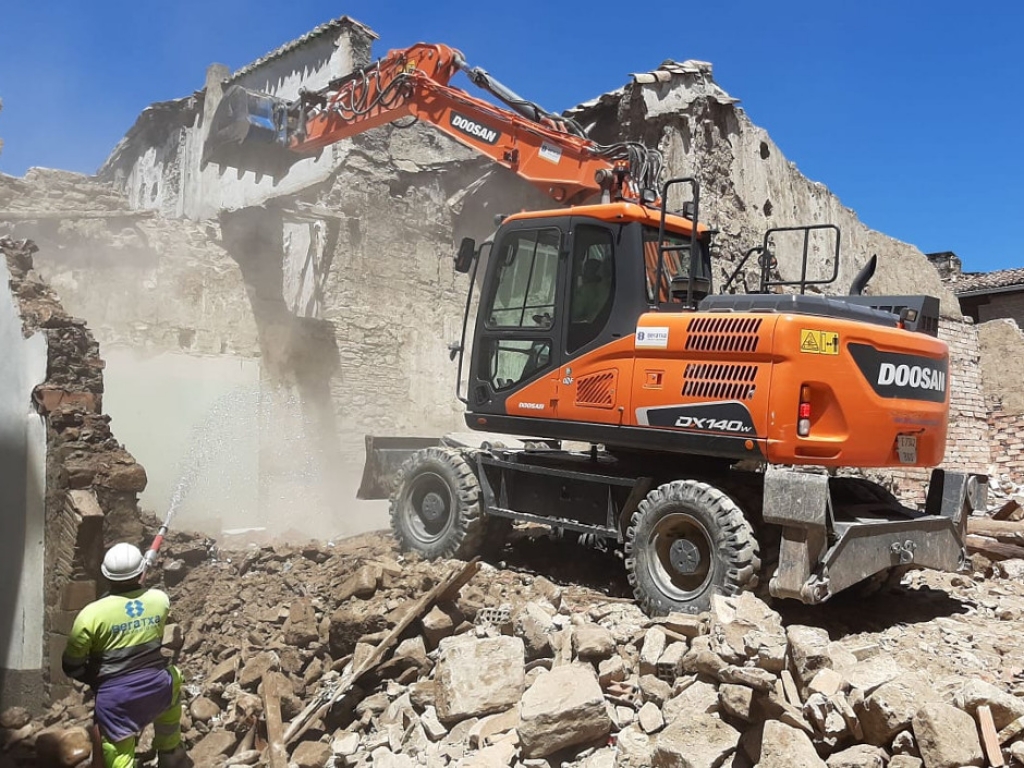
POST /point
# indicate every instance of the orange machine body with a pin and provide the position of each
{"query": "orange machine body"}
(763, 364)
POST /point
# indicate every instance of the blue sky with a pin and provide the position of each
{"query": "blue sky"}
(910, 111)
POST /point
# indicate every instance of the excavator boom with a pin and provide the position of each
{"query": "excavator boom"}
(259, 132)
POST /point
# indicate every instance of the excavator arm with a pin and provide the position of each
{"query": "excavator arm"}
(255, 131)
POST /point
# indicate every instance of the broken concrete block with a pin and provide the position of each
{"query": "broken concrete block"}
(212, 747)
(478, 676)
(808, 650)
(437, 625)
(650, 718)
(432, 725)
(311, 754)
(785, 747)
(870, 674)
(60, 747)
(655, 689)
(699, 740)
(203, 709)
(535, 626)
(352, 621)
(653, 646)
(670, 665)
(345, 743)
(759, 679)
(858, 756)
(827, 682)
(563, 708)
(685, 624)
(633, 748)
(737, 700)
(1005, 707)
(257, 667)
(593, 643)
(700, 659)
(891, 707)
(947, 737)
(300, 628)
(698, 698)
(362, 584)
(611, 670)
(743, 627)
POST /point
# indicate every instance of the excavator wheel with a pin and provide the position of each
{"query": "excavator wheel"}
(686, 542)
(435, 509)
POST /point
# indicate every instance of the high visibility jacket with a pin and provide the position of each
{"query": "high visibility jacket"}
(117, 634)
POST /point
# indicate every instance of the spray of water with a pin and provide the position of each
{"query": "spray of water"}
(260, 459)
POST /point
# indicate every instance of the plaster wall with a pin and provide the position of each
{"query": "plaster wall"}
(1002, 364)
(22, 506)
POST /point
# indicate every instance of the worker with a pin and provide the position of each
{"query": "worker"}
(115, 648)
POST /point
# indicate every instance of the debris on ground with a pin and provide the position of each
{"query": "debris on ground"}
(351, 654)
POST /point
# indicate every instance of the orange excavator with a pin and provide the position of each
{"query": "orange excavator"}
(698, 435)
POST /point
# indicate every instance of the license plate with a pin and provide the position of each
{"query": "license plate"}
(906, 448)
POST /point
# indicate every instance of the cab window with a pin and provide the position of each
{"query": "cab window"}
(527, 276)
(592, 285)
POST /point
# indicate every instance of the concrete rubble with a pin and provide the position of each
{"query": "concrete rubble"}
(517, 671)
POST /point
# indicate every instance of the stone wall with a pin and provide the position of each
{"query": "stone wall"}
(90, 482)
(159, 164)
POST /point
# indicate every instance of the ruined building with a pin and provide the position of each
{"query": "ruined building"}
(255, 327)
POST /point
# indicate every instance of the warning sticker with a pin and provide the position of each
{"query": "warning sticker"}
(819, 342)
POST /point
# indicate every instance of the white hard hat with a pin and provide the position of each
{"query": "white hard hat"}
(123, 562)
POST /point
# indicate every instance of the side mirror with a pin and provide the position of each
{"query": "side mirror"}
(464, 258)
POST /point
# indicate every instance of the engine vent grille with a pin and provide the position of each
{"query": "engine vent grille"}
(723, 334)
(597, 390)
(713, 381)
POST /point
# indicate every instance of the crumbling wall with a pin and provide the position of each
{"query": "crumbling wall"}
(1002, 368)
(169, 306)
(90, 481)
(159, 164)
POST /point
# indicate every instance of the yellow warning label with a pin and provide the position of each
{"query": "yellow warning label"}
(819, 342)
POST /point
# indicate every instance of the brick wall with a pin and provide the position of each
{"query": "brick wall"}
(967, 441)
(1007, 440)
(1009, 305)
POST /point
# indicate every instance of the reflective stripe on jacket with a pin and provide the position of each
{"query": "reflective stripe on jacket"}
(117, 634)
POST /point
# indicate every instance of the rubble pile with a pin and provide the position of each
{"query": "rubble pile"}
(297, 654)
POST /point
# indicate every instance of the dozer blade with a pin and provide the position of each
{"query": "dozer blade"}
(384, 457)
(248, 132)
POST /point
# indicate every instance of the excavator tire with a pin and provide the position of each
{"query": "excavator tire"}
(435, 509)
(687, 541)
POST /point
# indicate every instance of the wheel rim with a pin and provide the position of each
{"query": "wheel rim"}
(680, 562)
(428, 507)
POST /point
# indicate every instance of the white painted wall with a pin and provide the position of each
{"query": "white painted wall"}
(22, 489)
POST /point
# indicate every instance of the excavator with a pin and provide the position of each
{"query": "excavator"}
(714, 441)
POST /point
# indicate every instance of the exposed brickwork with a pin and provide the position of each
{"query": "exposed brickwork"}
(967, 441)
(88, 473)
(1007, 440)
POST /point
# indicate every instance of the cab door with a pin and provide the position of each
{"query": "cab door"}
(519, 323)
